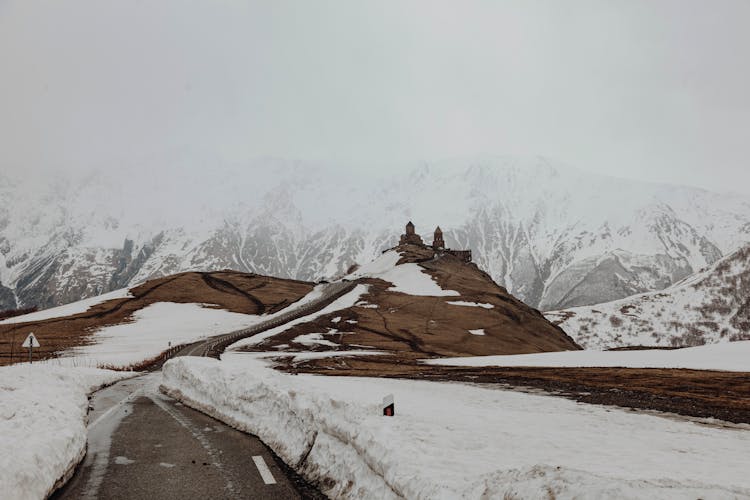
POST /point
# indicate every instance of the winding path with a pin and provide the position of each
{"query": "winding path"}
(143, 444)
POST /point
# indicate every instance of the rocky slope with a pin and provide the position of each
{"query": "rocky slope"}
(711, 306)
(554, 236)
(417, 306)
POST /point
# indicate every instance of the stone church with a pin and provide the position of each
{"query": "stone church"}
(410, 237)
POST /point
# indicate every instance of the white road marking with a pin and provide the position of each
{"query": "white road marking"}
(265, 473)
(127, 399)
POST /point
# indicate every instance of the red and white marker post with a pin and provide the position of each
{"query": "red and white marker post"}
(389, 408)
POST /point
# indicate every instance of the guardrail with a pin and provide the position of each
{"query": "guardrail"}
(170, 352)
(161, 358)
(215, 347)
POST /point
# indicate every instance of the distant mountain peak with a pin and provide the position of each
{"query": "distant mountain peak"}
(553, 235)
(707, 307)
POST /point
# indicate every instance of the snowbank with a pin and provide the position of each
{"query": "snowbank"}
(730, 356)
(43, 424)
(452, 441)
(69, 309)
(407, 278)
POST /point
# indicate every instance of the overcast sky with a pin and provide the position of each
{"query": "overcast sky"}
(650, 89)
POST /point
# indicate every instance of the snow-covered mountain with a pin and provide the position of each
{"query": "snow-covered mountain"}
(710, 306)
(555, 236)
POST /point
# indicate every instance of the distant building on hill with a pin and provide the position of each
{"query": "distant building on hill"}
(410, 238)
(437, 240)
(438, 244)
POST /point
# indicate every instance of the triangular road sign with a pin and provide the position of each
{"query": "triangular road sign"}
(30, 341)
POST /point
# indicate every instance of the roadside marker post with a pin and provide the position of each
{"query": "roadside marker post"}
(30, 343)
(389, 408)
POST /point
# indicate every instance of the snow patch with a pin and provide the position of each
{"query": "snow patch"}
(470, 304)
(477, 332)
(313, 339)
(407, 278)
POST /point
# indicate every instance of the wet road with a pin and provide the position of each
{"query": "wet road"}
(145, 445)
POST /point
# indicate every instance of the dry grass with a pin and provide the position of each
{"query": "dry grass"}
(699, 393)
(12, 313)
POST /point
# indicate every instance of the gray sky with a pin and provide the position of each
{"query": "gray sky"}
(650, 89)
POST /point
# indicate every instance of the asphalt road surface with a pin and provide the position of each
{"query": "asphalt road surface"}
(145, 445)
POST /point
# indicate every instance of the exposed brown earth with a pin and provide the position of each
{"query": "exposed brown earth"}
(11, 313)
(230, 290)
(694, 393)
(431, 326)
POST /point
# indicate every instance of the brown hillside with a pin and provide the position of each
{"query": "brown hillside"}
(421, 326)
(231, 290)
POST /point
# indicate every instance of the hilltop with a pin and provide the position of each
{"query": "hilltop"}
(416, 304)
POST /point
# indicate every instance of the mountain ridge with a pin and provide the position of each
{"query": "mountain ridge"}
(553, 235)
(710, 306)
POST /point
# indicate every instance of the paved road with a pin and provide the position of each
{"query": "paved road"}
(144, 445)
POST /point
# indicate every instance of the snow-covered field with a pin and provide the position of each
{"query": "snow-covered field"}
(730, 356)
(151, 331)
(406, 278)
(43, 412)
(451, 440)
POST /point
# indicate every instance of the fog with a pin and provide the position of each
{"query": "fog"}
(652, 90)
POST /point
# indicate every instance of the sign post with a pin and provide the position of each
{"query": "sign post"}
(30, 343)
